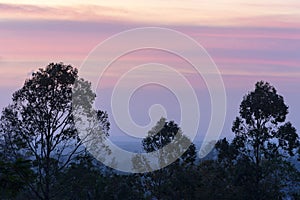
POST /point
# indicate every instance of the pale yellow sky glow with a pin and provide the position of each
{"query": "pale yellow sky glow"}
(175, 12)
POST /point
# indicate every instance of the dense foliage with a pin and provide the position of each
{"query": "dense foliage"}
(42, 156)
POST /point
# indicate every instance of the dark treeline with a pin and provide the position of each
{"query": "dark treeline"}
(43, 157)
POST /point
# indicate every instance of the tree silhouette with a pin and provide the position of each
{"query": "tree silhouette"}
(166, 182)
(39, 125)
(262, 116)
(263, 141)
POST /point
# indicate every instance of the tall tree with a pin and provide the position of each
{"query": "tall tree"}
(262, 125)
(263, 141)
(39, 125)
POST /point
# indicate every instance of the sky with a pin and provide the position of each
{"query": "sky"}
(248, 41)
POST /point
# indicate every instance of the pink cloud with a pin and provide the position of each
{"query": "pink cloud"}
(82, 13)
(237, 51)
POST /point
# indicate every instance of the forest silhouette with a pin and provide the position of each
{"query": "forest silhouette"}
(43, 157)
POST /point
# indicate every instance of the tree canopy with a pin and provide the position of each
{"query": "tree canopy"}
(39, 125)
(43, 155)
(261, 125)
(164, 183)
(263, 141)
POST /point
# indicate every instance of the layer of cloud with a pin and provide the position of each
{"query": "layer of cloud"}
(233, 13)
(80, 13)
(238, 51)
